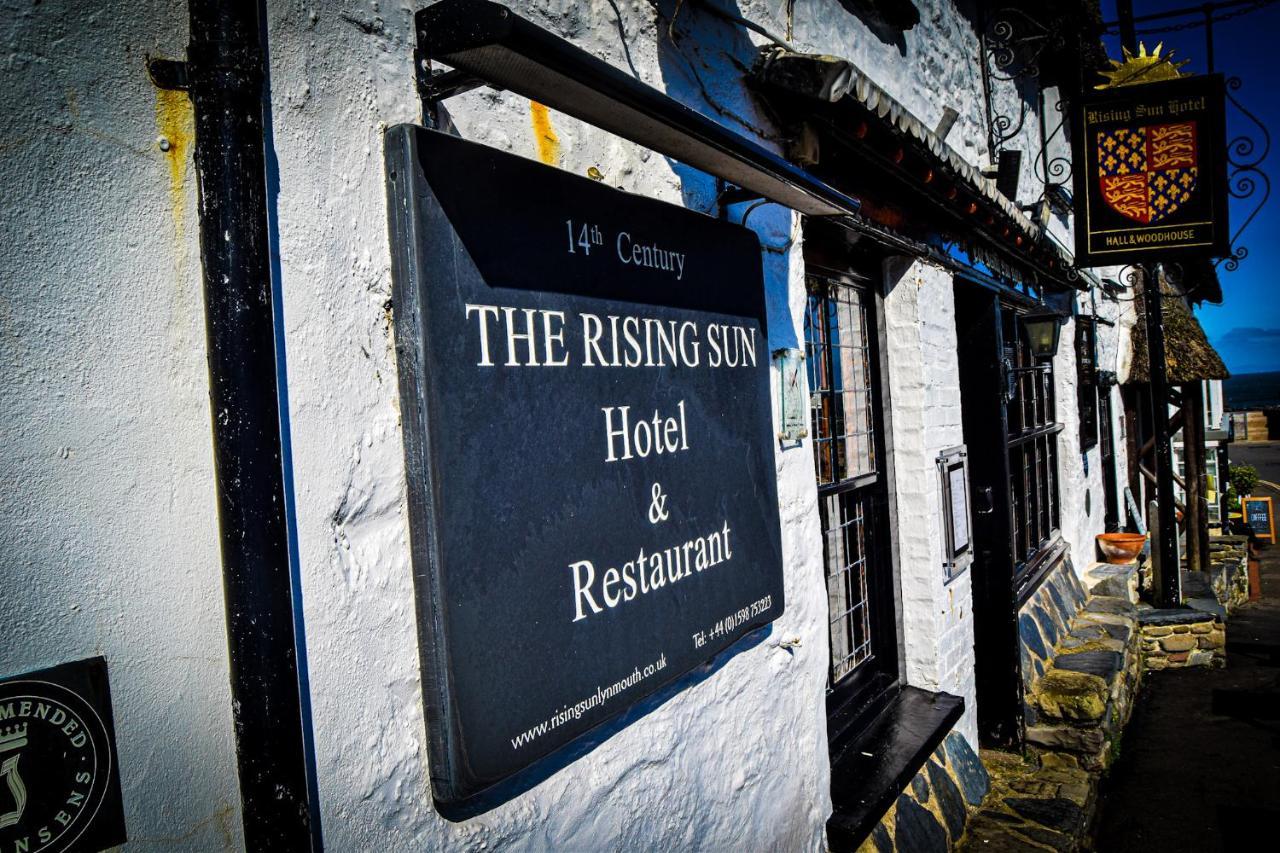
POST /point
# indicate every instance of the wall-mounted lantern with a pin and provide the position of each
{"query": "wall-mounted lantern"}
(1043, 329)
(1039, 211)
(1059, 198)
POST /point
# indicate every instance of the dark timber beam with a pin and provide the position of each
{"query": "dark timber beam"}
(1168, 582)
(1197, 478)
(225, 77)
(1175, 423)
(1151, 478)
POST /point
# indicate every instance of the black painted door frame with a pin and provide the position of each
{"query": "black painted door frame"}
(997, 648)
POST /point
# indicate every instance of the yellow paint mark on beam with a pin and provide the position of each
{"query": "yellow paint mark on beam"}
(544, 135)
(175, 125)
(175, 143)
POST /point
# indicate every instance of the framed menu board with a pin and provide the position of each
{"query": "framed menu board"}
(953, 473)
(1260, 517)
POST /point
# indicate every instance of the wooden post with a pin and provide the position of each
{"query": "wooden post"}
(1167, 584)
(1202, 479)
(1193, 460)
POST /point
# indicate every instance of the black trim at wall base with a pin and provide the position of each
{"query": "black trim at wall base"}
(869, 771)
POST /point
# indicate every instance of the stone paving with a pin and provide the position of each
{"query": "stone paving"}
(1079, 702)
(1043, 802)
(1200, 769)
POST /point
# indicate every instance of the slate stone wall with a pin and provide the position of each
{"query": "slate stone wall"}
(1229, 573)
(1080, 662)
(1045, 619)
(932, 812)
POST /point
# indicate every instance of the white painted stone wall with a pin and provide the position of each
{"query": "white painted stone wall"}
(1082, 473)
(1074, 481)
(108, 537)
(925, 419)
(1115, 354)
(738, 760)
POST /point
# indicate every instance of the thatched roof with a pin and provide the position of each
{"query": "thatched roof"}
(1188, 355)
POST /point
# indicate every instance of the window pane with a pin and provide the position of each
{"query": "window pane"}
(846, 527)
(842, 410)
(1033, 447)
(839, 367)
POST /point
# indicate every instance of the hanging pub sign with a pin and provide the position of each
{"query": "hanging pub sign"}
(585, 389)
(1150, 175)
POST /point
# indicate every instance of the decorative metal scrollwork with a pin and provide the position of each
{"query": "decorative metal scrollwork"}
(1005, 58)
(1058, 170)
(1012, 44)
(1052, 169)
(1245, 157)
(1132, 276)
(1135, 277)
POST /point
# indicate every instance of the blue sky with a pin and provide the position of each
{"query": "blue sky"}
(1246, 327)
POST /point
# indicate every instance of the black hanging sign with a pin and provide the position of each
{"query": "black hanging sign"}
(59, 775)
(584, 384)
(1150, 175)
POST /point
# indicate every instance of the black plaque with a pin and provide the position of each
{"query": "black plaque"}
(584, 382)
(1150, 172)
(59, 775)
(1087, 380)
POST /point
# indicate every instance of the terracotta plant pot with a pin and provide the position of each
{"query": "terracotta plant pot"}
(1121, 548)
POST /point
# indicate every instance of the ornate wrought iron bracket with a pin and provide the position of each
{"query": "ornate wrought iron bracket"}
(1053, 170)
(1011, 42)
(1171, 272)
(1013, 45)
(1246, 178)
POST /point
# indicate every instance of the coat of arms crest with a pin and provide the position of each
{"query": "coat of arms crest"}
(13, 739)
(1147, 173)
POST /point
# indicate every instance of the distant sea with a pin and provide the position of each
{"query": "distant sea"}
(1252, 390)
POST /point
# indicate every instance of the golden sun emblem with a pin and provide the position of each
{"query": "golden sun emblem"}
(1143, 68)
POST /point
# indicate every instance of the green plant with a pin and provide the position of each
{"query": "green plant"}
(1244, 479)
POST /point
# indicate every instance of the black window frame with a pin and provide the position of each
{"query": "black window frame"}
(855, 695)
(1035, 511)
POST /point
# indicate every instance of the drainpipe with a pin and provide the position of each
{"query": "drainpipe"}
(224, 76)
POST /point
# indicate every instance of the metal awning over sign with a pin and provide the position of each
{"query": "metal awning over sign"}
(492, 45)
